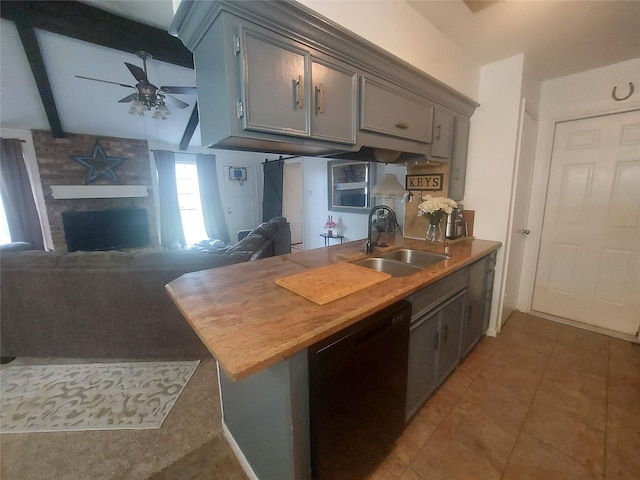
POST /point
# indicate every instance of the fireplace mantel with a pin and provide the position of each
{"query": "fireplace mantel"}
(61, 192)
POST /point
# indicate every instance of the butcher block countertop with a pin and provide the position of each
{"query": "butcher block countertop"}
(249, 323)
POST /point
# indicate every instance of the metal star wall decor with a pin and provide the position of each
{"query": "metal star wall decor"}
(100, 165)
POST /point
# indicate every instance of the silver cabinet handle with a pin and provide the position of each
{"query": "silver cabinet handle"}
(438, 128)
(300, 92)
(320, 98)
(402, 125)
(526, 231)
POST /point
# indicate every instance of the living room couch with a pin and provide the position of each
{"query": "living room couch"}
(110, 304)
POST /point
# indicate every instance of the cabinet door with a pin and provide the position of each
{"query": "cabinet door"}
(275, 93)
(390, 110)
(442, 144)
(334, 90)
(459, 158)
(421, 378)
(475, 300)
(450, 335)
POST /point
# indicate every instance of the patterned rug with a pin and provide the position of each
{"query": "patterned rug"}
(95, 396)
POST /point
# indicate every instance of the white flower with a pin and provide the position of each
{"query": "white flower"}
(432, 204)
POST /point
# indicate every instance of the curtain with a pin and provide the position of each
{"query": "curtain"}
(212, 210)
(171, 232)
(17, 196)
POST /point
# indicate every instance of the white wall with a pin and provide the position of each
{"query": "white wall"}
(398, 28)
(567, 98)
(491, 161)
(316, 202)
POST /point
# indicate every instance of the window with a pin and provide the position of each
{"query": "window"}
(189, 202)
(5, 235)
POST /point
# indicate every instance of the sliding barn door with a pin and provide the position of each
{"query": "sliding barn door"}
(272, 196)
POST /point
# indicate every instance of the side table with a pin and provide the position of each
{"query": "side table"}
(327, 237)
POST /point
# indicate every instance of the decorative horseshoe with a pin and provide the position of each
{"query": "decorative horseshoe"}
(618, 99)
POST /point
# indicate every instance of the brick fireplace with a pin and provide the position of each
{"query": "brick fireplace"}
(58, 168)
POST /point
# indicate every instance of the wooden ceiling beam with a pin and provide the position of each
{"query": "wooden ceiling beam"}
(191, 127)
(83, 22)
(34, 57)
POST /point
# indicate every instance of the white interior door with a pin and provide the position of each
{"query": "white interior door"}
(588, 264)
(292, 200)
(519, 228)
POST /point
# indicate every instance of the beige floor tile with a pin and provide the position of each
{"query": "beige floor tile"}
(535, 460)
(588, 407)
(622, 465)
(409, 474)
(577, 377)
(504, 374)
(590, 342)
(623, 431)
(458, 382)
(444, 457)
(568, 435)
(505, 406)
(438, 406)
(624, 353)
(624, 391)
(537, 328)
(575, 357)
(481, 434)
(479, 356)
(392, 468)
(415, 435)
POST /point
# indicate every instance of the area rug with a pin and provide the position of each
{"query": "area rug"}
(95, 396)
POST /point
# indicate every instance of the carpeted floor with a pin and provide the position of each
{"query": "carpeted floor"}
(193, 425)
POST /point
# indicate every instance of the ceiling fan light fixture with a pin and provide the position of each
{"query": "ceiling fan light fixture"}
(136, 108)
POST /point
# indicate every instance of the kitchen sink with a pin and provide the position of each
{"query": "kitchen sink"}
(414, 257)
(394, 268)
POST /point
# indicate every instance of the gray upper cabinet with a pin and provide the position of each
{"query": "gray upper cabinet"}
(390, 110)
(288, 92)
(442, 143)
(459, 158)
(278, 77)
(275, 91)
(334, 89)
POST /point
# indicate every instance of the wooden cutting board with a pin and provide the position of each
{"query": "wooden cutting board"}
(326, 284)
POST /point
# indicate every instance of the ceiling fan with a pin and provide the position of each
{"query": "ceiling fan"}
(147, 95)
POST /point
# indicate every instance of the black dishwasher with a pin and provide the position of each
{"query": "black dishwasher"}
(357, 392)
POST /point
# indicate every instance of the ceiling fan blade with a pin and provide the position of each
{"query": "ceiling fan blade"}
(179, 90)
(137, 72)
(175, 102)
(129, 98)
(105, 81)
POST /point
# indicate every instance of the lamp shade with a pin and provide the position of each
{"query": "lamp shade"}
(388, 187)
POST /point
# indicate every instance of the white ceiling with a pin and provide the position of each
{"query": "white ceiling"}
(559, 37)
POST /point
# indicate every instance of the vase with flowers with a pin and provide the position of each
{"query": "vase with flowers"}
(435, 208)
(330, 225)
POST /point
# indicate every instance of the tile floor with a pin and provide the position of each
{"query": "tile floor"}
(540, 401)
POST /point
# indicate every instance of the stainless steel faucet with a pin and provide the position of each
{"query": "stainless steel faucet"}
(372, 243)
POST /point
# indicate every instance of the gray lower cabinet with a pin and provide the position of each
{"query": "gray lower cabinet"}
(442, 143)
(458, 174)
(435, 337)
(480, 292)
